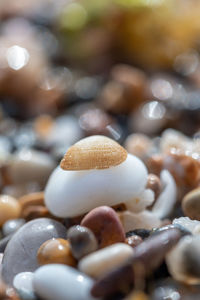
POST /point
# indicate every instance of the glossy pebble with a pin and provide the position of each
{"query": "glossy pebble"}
(11, 226)
(23, 281)
(102, 261)
(82, 241)
(9, 208)
(55, 251)
(62, 282)
(106, 225)
(73, 193)
(21, 252)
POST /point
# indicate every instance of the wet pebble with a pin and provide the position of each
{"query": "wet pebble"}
(9, 208)
(105, 224)
(102, 261)
(61, 282)
(191, 204)
(82, 241)
(12, 226)
(55, 251)
(21, 252)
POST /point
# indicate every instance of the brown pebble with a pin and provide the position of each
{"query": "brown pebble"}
(10, 208)
(55, 251)
(34, 212)
(133, 240)
(106, 225)
(138, 144)
(146, 257)
(32, 199)
(191, 204)
(153, 183)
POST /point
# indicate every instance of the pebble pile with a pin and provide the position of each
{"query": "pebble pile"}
(103, 225)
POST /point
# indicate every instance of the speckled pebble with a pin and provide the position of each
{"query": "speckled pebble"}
(105, 224)
(62, 282)
(82, 241)
(12, 226)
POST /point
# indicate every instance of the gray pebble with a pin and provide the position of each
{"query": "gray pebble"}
(12, 226)
(82, 241)
(21, 252)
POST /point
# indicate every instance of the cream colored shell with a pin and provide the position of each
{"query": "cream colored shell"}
(95, 152)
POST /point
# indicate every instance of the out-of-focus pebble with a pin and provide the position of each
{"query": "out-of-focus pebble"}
(138, 295)
(133, 240)
(183, 261)
(191, 225)
(55, 251)
(62, 282)
(139, 145)
(82, 241)
(7, 292)
(11, 226)
(21, 253)
(191, 204)
(103, 261)
(9, 208)
(32, 165)
(105, 224)
(143, 233)
(73, 193)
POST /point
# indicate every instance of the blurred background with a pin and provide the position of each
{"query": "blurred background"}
(70, 69)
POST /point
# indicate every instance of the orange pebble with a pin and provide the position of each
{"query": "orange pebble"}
(55, 251)
(10, 208)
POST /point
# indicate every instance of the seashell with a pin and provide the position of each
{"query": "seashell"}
(167, 198)
(95, 152)
(70, 194)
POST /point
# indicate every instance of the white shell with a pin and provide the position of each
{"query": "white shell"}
(139, 203)
(73, 193)
(61, 282)
(191, 225)
(145, 219)
(102, 261)
(167, 199)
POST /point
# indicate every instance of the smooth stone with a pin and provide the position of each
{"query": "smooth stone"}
(23, 281)
(73, 193)
(21, 252)
(62, 282)
(12, 226)
(30, 165)
(82, 241)
(191, 204)
(103, 261)
(105, 224)
(56, 251)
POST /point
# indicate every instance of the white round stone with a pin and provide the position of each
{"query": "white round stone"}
(23, 281)
(73, 193)
(55, 281)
